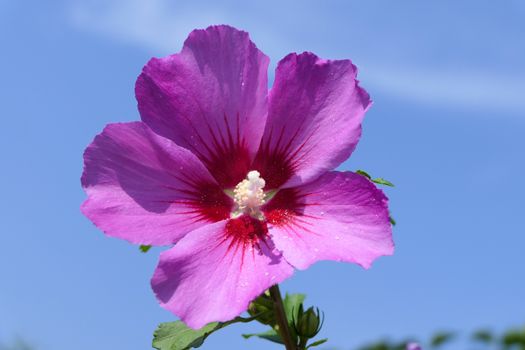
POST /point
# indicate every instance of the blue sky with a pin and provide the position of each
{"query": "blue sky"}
(447, 127)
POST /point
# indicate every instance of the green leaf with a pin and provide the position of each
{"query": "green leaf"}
(263, 309)
(293, 305)
(402, 345)
(381, 181)
(144, 248)
(392, 221)
(381, 345)
(441, 338)
(364, 173)
(270, 335)
(292, 302)
(513, 338)
(483, 335)
(177, 336)
(317, 343)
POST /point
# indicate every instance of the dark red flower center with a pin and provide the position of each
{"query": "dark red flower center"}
(284, 207)
(246, 230)
(213, 204)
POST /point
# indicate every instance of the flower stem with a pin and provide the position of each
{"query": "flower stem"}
(302, 343)
(282, 321)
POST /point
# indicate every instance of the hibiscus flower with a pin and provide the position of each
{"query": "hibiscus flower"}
(239, 180)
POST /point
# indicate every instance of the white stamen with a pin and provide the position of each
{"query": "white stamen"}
(249, 196)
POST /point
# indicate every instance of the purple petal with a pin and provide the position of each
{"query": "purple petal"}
(212, 276)
(413, 346)
(314, 121)
(144, 188)
(211, 98)
(340, 216)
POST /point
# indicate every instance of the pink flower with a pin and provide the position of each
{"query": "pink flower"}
(413, 346)
(239, 178)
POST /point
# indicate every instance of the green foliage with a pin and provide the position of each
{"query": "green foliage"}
(302, 325)
(364, 173)
(262, 309)
(144, 248)
(308, 323)
(270, 335)
(317, 343)
(378, 180)
(178, 336)
(514, 339)
(441, 338)
(483, 336)
(17, 344)
(386, 345)
(381, 181)
(292, 304)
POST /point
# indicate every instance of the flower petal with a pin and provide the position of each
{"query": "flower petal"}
(207, 277)
(211, 98)
(314, 119)
(341, 216)
(144, 188)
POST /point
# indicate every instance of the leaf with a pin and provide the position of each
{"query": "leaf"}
(513, 338)
(483, 335)
(364, 173)
(292, 302)
(270, 335)
(404, 345)
(392, 221)
(381, 345)
(317, 343)
(441, 338)
(263, 308)
(144, 248)
(381, 181)
(177, 336)
(293, 305)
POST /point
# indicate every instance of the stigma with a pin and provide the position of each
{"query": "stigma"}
(249, 196)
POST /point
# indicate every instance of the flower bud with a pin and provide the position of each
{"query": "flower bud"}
(262, 308)
(308, 323)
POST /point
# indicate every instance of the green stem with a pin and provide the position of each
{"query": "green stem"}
(302, 343)
(282, 321)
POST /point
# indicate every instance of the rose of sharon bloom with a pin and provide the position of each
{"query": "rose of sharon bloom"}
(237, 178)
